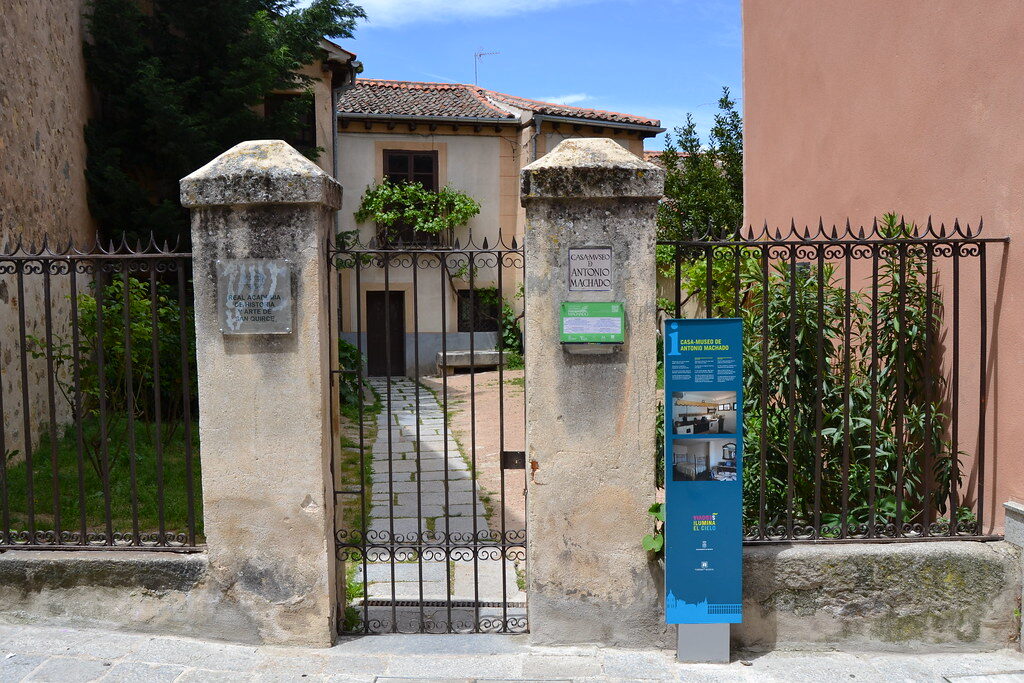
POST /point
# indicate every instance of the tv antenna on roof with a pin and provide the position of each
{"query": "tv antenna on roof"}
(477, 56)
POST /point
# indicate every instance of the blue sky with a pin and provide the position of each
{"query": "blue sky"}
(656, 58)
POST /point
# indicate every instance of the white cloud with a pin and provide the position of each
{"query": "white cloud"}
(574, 98)
(385, 13)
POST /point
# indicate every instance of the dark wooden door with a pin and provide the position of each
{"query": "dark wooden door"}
(385, 331)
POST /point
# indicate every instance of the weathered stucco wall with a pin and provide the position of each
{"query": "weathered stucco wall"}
(588, 417)
(264, 404)
(853, 109)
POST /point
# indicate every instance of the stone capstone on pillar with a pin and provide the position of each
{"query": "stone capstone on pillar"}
(265, 425)
(590, 418)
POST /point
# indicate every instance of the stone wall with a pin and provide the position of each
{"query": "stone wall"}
(935, 596)
(927, 597)
(43, 109)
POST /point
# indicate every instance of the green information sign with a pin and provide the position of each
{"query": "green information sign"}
(589, 322)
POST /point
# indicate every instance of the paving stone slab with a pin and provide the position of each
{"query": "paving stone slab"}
(69, 670)
(404, 571)
(141, 672)
(15, 666)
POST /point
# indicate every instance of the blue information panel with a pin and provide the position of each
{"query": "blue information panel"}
(703, 470)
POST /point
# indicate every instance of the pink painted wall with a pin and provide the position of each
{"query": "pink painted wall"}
(857, 108)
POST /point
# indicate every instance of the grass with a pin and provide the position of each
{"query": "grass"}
(70, 504)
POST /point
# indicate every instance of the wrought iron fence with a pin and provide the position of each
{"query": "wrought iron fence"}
(865, 361)
(430, 494)
(97, 444)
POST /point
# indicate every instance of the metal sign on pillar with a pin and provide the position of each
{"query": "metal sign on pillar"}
(703, 484)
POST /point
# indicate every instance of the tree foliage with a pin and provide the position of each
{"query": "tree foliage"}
(177, 83)
(703, 183)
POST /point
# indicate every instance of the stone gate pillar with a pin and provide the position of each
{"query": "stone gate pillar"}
(259, 210)
(590, 418)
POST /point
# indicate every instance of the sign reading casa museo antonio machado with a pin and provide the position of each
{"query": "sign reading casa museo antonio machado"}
(590, 269)
(703, 477)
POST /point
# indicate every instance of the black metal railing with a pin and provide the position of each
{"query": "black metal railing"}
(97, 444)
(865, 385)
(430, 516)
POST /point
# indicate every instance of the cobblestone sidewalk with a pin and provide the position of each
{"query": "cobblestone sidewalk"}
(68, 656)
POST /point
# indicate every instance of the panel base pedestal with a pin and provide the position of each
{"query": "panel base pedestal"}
(703, 643)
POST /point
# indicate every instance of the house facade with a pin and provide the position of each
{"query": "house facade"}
(470, 139)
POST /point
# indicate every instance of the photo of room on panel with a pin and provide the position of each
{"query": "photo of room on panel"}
(703, 412)
(703, 460)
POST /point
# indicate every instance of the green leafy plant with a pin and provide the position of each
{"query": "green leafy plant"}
(822, 402)
(119, 324)
(394, 206)
(654, 542)
(350, 380)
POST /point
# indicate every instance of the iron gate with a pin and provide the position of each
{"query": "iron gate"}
(429, 472)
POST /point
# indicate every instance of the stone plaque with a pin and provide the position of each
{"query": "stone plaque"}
(590, 269)
(255, 296)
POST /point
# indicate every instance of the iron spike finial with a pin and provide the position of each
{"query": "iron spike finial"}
(514, 247)
(484, 246)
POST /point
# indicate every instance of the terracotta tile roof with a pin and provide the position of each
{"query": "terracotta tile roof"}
(654, 155)
(408, 98)
(552, 109)
(372, 96)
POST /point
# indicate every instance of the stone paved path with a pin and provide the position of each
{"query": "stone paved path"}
(67, 655)
(417, 506)
(429, 489)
